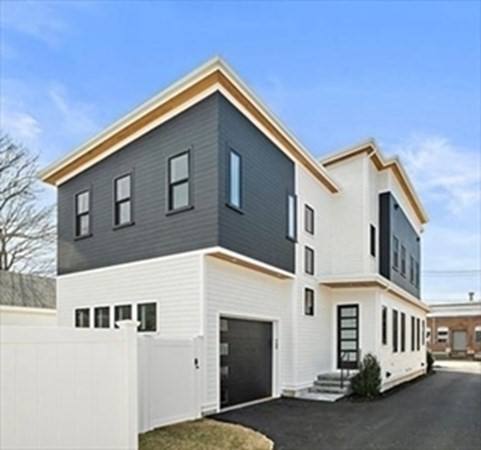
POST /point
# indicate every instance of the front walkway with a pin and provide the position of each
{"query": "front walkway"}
(441, 412)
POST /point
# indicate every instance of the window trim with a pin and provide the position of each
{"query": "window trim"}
(115, 225)
(238, 208)
(187, 180)
(309, 312)
(309, 225)
(309, 251)
(291, 236)
(89, 214)
(372, 240)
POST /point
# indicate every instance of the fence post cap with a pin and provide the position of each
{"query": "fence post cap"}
(127, 324)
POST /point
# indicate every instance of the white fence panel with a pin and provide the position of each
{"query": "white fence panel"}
(68, 388)
(169, 381)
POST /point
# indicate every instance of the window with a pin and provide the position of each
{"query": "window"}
(122, 312)
(395, 252)
(418, 334)
(123, 201)
(413, 333)
(82, 318)
(442, 334)
(428, 334)
(372, 239)
(477, 334)
(82, 214)
(403, 260)
(291, 216)
(384, 325)
(179, 185)
(102, 317)
(308, 302)
(147, 316)
(235, 181)
(417, 274)
(411, 270)
(403, 332)
(394, 330)
(423, 333)
(309, 219)
(309, 260)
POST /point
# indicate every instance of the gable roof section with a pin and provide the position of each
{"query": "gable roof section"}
(213, 76)
(371, 148)
(29, 291)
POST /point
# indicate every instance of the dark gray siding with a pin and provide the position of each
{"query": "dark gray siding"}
(267, 177)
(394, 222)
(154, 233)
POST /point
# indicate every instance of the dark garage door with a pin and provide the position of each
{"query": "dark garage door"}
(245, 361)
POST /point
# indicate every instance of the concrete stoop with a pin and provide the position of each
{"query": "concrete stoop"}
(327, 388)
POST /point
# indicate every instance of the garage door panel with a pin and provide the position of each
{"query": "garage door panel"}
(246, 361)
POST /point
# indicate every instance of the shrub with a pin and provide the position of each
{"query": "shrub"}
(367, 382)
(429, 361)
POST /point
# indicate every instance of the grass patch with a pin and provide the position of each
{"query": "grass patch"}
(204, 434)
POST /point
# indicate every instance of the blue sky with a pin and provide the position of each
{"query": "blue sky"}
(407, 73)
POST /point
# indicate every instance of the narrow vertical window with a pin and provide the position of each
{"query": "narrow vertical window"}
(123, 200)
(411, 269)
(308, 302)
(413, 333)
(417, 274)
(394, 330)
(403, 332)
(82, 318)
(179, 184)
(403, 260)
(309, 260)
(395, 252)
(82, 214)
(384, 325)
(291, 217)
(423, 333)
(309, 219)
(147, 316)
(235, 181)
(102, 317)
(418, 334)
(122, 312)
(372, 239)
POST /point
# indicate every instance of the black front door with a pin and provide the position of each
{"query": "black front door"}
(347, 336)
(245, 361)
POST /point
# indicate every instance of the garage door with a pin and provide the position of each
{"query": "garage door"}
(245, 361)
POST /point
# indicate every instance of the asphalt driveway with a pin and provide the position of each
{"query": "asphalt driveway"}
(441, 412)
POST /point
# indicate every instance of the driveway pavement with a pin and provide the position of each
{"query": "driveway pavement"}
(441, 412)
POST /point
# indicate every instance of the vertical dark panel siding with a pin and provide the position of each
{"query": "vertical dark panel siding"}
(267, 177)
(154, 233)
(394, 222)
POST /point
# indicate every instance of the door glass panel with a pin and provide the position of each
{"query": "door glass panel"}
(348, 323)
(224, 349)
(348, 312)
(348, 334)
(348, 345)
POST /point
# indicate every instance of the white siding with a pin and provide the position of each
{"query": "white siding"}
(15, 315)
(235, 291)
(173, 282)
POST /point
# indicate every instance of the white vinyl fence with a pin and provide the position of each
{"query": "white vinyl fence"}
(68, 388)
(169, 380)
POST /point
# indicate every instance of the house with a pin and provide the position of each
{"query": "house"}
(454, 329)
(27, 299)
(200, 214)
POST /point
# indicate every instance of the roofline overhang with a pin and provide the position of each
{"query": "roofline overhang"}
(214, 75)
(371, 148)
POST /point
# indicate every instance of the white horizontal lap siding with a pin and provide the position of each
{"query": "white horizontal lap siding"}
(235, 291)
(13, 315)
(172, 282)
(312, 333)
(400, 365)
(348, 217)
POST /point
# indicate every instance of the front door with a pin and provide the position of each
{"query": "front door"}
(460, 341)
(347, 336)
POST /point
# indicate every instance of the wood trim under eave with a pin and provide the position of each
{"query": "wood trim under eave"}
(335, 160)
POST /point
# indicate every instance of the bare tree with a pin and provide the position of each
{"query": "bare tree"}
(27, 228)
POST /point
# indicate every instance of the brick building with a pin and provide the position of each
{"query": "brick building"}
(454, 330)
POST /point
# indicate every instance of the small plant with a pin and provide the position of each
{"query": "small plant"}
(429, 361)
(367, 382)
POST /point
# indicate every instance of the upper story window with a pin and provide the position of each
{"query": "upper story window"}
(411, 269)
(291, 217)
(417, 275)
(309, 219)
(82, 318)
(308, 302)
(394, 330)
(179, 183)
(235, 179)
(102, 317)
(147, 316)
(309, 260)
(372, 240)
(123, 200)
(395, 252)
(82, 214)
(403, 260)
(384, 325)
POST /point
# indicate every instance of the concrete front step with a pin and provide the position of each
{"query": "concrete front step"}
(319, 388)
(320, 396)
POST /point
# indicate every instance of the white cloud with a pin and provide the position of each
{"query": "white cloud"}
(21, 125)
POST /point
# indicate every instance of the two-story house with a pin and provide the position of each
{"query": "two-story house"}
(200, 214)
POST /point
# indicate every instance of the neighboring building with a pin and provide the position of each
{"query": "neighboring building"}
(199, 214)
(27, 299)
(454, 330)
